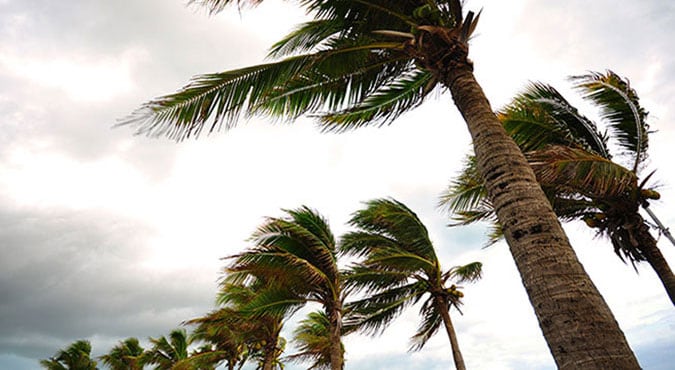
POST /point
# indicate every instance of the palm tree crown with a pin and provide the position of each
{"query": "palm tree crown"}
(166, 353)
(75, 357)
(400, 268)
(296, 257)
(126, 355)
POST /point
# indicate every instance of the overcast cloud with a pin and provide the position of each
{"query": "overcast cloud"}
(105, 235)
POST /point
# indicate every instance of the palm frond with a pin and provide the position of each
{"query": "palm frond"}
(384, 105)
(306, 37)
(373, 314)
(392, 219)
(313, 341)
(580, 171)
(541, 116)
(431, 321)
(620, 107)
(280, 89)
(467, 191)
(466, 273)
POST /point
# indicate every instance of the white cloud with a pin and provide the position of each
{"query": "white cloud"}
(82, 77)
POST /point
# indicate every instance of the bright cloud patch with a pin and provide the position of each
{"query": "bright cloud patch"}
(82, 78)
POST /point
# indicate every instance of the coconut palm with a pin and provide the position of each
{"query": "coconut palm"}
(296, 258)
(400, 268)
(366, 62)
(572, 161)
(166, 353)
(75, 357)
(126, 355)
(235, 336)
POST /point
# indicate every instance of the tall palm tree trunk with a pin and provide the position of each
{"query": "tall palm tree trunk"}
(336, 350)
(577, 324)
(647, 245)
(442, 307)
(268, 359)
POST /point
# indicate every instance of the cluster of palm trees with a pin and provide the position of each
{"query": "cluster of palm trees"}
(366, 62)
(294, 262)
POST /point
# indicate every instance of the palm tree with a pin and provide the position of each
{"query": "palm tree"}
(236, 336)
(365, 62)
(313, 341)
(399, 269)
(166, 353)
(572, 161)
(296, 258)
(126, 355)
(75, 357)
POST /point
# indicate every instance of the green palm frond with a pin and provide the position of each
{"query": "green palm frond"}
(313, 342)
(274, 302)
(431, 321)
(306, 37)
(541, 116)
(572, 169)
(467, 273)
(373, 314)
(126, 355)
(286, 88)
(394, 220)
(75, 356)
(465, 192)
(363, 277)
(620, 107)
(385, 104)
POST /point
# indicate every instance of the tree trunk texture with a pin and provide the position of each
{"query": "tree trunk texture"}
(647, 245)
(577, 324)
(336, 350)
(442, 306)
(268, 360)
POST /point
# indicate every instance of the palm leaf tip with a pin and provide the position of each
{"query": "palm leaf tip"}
(620, 107)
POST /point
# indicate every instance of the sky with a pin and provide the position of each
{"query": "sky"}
(106, 235)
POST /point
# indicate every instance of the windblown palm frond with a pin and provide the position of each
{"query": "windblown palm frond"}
(75, 357)
(126, 355)
(165, 353)
(348, 67)
(313, 341)
(541, 116)
(578, 171)
(620, 108)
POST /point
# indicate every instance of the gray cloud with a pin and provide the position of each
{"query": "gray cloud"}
(69, 275)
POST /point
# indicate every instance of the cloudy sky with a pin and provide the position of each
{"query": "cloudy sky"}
(106, 235)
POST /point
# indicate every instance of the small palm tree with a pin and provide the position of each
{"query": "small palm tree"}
(572, 161)
(166, 353)
(399, 269)
(236, 336)
(126, 355)
(313, 341)
(75, 357)
(296, 257)
(366, 62)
